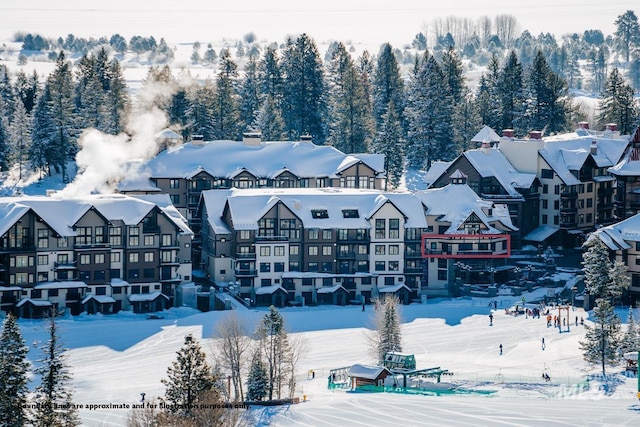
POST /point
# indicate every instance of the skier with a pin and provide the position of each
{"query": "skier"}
(501, 349)
(491, 319)
(543, 345)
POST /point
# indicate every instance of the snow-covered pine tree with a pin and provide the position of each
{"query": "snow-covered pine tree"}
(118, 99)
(257, 381)
(226, 116)
(390, 142)
(596, 265)
(26, 88)
(200, 111)
(387, 335)
(43, 127)
(618, 104)
(188, 377)
(387, 86)
(90, 99)
(350, 125)
(54, 395)
(627, 35)
(602, 340)
(630, 341)
(14, 369)
(269, 121)
(249, 96)
(512, 96)
(20, 137)
(488, 96)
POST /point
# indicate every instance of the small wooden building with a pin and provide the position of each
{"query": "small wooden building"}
(335, 295)
(401, 291)
(148, 303)
(274, 295)
(363, 375)
(33, 309)
(93, 304)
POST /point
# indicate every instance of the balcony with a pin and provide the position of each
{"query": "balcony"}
(272, 239)
(346, 255)
(245, 255)
(70, 265)
(569, 194)
(246, 272)
(413, 270)
(568, 209)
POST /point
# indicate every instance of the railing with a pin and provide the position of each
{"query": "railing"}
(246, 272)
(65, 265)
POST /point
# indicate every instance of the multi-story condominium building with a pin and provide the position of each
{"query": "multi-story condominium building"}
(96, 253)
(184, 171)
(623, 239)
(577, 193)
(334, 245)
(492, 177)
(627, 175)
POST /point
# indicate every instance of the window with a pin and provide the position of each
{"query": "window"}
(115, 236)
(265, 250)
(556, 189)
(545, 188)
(278, 267)
(394, 265)
(134, 236)
(363, 266)
(265, 267)
(379, 249)
(545, 219)
(556, 204)
(294, 266)
(326, 234)
(327, 250)
(350, 182)
(342, 234)
(394, 249)
(267, 227)
(321, 182)
(319, 213)
(167, 256)
(83, 235)
(148, 273)
(174, 183)
(380, 266)
(114, 257)
(589, 187)
(363, 249)
(148, 257)
(63, 242)
(350, 213)
(589, 217)
(288, 229)
(62, 258)
(148, 240)
(313, 267)
(43, 238)
(99, 259)
(313, 234)
(294, 250)
(134, 257)
(43, 259)
(244, 235)
(278, 251)
(380, 228)
(589, 203)
(546, 173)
(85, 259)
(53, 292)
(166, 240)
(43, 276)
(313, 250)
(545, 204)
(327, 266)
(394, 228)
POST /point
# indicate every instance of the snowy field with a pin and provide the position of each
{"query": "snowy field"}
(116, 358)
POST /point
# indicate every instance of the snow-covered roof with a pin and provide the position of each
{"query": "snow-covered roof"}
(541, 233)
(331, 289)
(568, 152)
(250, 205)
(486, 134)
(393, 288)
(368, 372)
(36, 302)
(168, 134)
(435, 171)
(303, 159)
(10, 288)
(617, 236)
(454, 203)
(147, 297)
(268, 290)
(102, 299)
(63, 214)
(119, 282)
(490, 162)
(72, 284)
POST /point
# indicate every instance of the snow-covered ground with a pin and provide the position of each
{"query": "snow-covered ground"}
(115, 358)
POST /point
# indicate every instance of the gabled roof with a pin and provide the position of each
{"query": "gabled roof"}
(492, 163)
(102, 299)
(367, 371)
(322, 208)
(568, 152)
(269, 290)
(486, 134)
(303, 159)
(147, 297)
(436, 170)
(331, 289)
(620, 235)
(36, 302)
(454, 203)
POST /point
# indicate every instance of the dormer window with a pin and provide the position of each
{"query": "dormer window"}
(319, 213)
(350, 213)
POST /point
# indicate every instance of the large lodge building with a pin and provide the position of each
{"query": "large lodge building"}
(298, 223)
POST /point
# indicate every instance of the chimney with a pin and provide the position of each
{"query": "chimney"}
(486, 146)
(252, 138)
(306, 138)
(508, 133)
(594, 147)
(535, 134)
(197, 140)
(612, 127)
(583, 125)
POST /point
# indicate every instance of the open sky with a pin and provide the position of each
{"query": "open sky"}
(359, 21)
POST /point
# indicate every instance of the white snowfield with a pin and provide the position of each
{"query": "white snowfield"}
(116, 358)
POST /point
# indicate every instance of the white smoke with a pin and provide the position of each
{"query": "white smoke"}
(104, 160)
